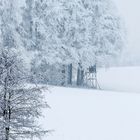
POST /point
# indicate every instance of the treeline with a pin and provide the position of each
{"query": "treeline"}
(59, 39)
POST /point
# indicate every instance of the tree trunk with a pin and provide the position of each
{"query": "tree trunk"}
(63, 82)
(80, 76)
(95, 71)
(7, 133)
(6, 110)
(70, 74)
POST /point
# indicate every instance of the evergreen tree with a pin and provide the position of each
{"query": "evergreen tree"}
(20, 105)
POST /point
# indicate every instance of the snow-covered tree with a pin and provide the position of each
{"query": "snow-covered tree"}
(97, 33)
(20, 105)
(8, 24)
(105, 32)
(82, 33)
(45, 35)
(26, 27)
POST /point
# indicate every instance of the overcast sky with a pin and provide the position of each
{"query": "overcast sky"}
(130, 11)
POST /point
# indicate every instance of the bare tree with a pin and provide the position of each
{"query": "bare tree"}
(20, 105)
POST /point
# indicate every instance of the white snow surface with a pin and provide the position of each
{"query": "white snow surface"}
(86, 114)
(125, 79)
(82, 114)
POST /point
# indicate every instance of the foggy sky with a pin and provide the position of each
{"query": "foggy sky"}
(130, 12)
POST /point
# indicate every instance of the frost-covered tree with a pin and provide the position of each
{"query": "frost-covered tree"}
(64, 36)
(45, 73)
(88, 32)
(82, 33)
(45, 36)
(8, 24)
(32, 32)
(20, 105)
(26, 27)
(31, 29)
(105, 34)
(97, 33)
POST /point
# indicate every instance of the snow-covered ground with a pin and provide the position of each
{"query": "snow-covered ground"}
(120, 79)
(83, 114)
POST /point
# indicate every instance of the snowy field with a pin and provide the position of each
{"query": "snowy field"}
(120, 79)
(82, 114)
